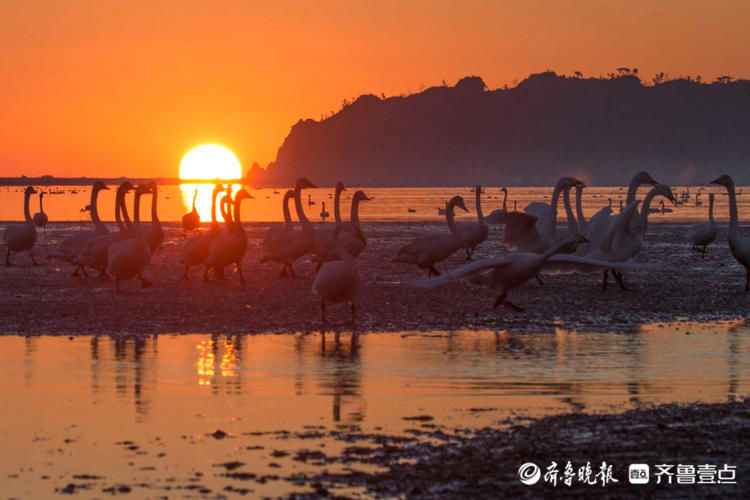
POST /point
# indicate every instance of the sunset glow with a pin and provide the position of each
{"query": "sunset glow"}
(210, 161)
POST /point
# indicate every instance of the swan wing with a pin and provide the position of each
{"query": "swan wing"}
(619, 266)
(461, 272)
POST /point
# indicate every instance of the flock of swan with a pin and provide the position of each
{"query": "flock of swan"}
(607, 242)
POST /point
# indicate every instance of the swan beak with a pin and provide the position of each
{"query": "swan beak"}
(716, 181)
(366, 198)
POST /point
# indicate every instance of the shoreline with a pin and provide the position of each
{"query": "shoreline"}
(46, 300)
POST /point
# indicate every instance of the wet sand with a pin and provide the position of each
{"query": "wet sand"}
(46, 300)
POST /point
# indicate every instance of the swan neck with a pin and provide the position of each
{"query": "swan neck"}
(95, 210)
(298, 207)
(287, 215)
(480, 215)
(579, 210)
(354, 216)
(645, 208)
(450, 217)
(505, 201)
(711, 209)
(572, 227)
(214, 195)
(137, 215)
(195, 195)
(118, 219)
(337, 205)
(154, 198)
(237, 221)
(26, 211)
(40, 202)
(632, 190)
(733, 222)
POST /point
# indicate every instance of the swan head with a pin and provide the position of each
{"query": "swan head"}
(29, 191)
(218, 188)
(568, 182)
(458, 201)
(85, 209)
(304, 183)
(125, 187)
(142, 189)
(152, 187)
(643, 177)
(361, 196)
(243, 195)
(724, 180)
(665, 191)
(99, 185)
(503, 190)
(340, 187)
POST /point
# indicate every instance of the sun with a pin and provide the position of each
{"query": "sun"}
(210, 161)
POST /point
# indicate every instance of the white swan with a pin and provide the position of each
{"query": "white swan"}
(70, 247)
(229, 248)
(351, 236)
(155, 233)
(625, 238)
(429, 249)
(129, 258)
(276, 230)
(499, 216)
(21, 237)
(40, 218)
(536, 230)
(191, 220)
(600, 224)
(738, 244)
(95, 252)
(291, 245)
(511, 271)
(195, 251)
(474, 233)
(703, 234)
(337, 281)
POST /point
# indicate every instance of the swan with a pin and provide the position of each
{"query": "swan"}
(738, 244)
(21, 237)
(351, 237)
(70, 247)
(625, 238)
(703, 234)
(40, 218)
(129, 258)
(95, 252)
(310, 202)
(535, 231)
(474, 233)
(155, 233)
(291, 245)
(191, 220)
(229, 248)
(323, 214)
(698, 202)
(337, 281)
(511, 271)
(498, 216)
(600, 224)
(195, 251)
(276, 230)
(429, 249)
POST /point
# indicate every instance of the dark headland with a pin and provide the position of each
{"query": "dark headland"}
(547, 126)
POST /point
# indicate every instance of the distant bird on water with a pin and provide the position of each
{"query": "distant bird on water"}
(323, 213)
(703, 234)
(191, 220)
(40, 218)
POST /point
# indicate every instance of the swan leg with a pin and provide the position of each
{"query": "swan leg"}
(539, 279)
(33, 260)
(283, 270)
(604, 279)
(117, 283)
(83, 270)
(354, 311)
(291, 270)
(747, 280)
(513, 306)
(469, 251)
(7, 258)
(323, 310)
(703, 252)
(144, 282)
(433, 271)
(620, 281)
(185, 274)
(239, 270)
(205, 275)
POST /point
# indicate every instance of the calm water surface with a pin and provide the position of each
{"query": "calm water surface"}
(100, 411)
(388, 204)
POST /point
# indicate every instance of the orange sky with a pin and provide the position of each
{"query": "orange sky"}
(109, 88)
